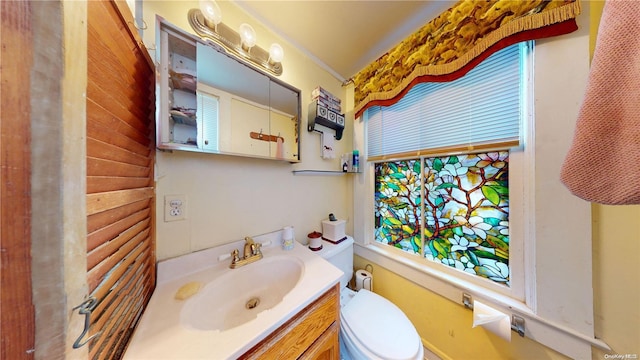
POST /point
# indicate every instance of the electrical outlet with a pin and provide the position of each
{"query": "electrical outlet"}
(175, 207)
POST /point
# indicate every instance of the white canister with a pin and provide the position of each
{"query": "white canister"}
(287, 238)
(315, 241)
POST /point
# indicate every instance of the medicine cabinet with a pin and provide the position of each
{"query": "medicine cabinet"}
(208, 101)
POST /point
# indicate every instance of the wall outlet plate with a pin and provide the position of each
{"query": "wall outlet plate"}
(175, 207)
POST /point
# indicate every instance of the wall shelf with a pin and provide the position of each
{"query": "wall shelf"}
(323, 172)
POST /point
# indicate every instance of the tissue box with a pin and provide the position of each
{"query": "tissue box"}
(333, 231)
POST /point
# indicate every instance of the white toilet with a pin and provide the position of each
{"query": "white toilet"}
(371, 327)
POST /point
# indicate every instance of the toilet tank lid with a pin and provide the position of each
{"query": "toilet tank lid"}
(329, 249)
(380, 326)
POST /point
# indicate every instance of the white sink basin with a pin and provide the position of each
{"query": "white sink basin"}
(214, 322)
(239, 295)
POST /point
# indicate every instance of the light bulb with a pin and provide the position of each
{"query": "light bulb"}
(211, 11)
(276, 53)
(247, 36)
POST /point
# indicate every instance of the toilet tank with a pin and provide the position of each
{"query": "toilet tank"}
(341, 256)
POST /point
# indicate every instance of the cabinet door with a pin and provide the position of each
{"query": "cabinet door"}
(326, 347)
(208, 115)
(295, 337)
(175, 91)
(248, 117)
(229, 75)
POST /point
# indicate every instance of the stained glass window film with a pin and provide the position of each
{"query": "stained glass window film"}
(466, 211)
(398, 204)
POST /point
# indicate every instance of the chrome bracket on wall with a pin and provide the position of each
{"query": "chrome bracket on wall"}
(517, 324)
(467, 301)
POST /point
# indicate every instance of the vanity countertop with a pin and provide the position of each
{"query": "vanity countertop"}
(160, 334)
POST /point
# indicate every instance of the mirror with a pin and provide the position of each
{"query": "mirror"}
(209, 101)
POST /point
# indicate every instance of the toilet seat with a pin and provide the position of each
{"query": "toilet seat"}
(376, 328)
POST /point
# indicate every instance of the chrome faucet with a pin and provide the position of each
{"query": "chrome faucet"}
(251, 254)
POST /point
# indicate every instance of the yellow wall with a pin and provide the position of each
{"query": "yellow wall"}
(445, 327)
(616, 278)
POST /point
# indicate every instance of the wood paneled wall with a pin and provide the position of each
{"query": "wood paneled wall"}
(119, 178)
(16, 310)
(120, 183)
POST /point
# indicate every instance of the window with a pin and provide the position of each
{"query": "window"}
(466, 207)
(550, 229)
(452, 208)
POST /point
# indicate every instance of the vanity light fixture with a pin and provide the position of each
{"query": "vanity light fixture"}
(276, 53)
(211, 12)
(247, 36)
(207, 22)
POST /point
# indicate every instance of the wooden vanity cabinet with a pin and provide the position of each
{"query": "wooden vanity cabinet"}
(310, 334)
(326, 347)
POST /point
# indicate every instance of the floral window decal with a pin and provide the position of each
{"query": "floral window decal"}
(398, 204)
(466, 211)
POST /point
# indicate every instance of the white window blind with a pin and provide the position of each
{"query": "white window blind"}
(481, 110)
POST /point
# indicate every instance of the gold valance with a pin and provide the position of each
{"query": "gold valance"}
(453, 43)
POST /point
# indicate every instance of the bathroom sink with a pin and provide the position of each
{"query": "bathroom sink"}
(198, 307)
(237, 296)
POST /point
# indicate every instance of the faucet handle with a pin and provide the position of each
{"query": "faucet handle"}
(235, 256)
(255, 248)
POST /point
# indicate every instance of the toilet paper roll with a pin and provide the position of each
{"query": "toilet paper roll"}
(491, 319)
(364, 280)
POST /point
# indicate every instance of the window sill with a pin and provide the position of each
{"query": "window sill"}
(547, 332)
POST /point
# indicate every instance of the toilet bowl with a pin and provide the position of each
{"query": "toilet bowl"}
(371, 327)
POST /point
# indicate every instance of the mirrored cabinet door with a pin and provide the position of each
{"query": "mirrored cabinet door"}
(176, 93)
(210, 101)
